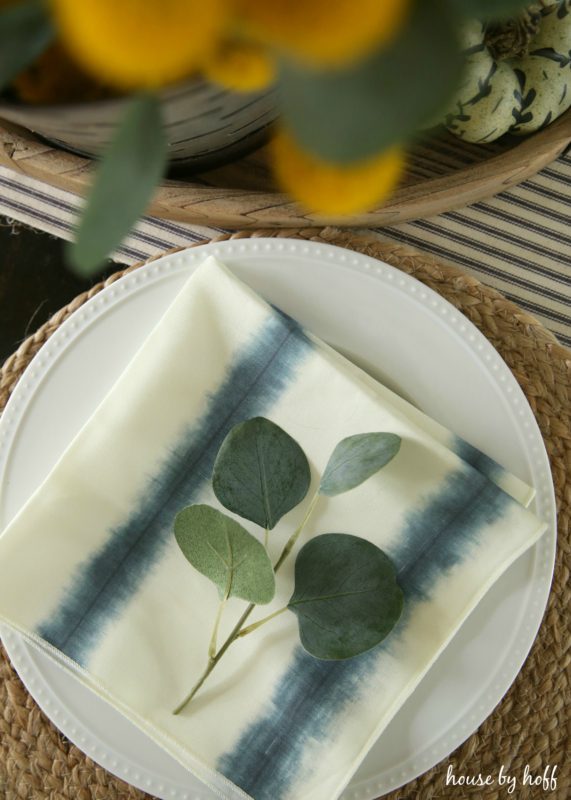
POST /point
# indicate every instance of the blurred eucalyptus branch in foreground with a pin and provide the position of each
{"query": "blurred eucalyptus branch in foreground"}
(357, 80)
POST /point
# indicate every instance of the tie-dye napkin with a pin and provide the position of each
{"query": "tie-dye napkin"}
(91, 573)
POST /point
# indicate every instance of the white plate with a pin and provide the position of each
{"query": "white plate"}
(401, 332)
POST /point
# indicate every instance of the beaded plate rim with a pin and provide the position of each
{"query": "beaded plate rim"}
(489, 360)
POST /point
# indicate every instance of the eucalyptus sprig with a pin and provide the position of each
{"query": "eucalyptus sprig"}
(351, 92)
(345, 595)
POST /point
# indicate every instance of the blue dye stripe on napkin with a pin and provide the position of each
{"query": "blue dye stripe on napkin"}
(108, 579)
(267, 760)
(480, 461)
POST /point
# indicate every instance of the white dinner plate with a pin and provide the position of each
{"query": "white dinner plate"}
(402, 333)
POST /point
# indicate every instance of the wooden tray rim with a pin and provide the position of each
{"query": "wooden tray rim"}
(191, 202)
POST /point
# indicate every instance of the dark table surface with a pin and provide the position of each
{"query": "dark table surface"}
(34, 282)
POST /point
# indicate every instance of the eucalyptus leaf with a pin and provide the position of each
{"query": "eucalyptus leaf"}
(25, 32)
(347, 115)
(490, 9)
(130, 169)
(346, 597)
(222, 550)
(260, 472)
(355, 459)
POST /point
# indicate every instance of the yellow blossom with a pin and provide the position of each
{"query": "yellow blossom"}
(322, 32)
(334, 189)
(133, 44)
(244, 66)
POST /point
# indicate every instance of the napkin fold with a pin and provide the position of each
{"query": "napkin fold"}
(90, 571)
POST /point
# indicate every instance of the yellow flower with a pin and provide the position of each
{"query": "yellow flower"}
(133, 44)
(322, 32)
(244, 66)
(334, 189)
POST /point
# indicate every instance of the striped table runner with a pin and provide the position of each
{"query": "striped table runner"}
(519, 242)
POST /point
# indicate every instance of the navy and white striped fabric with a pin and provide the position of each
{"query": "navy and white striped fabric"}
(519, 242)
(90, 571)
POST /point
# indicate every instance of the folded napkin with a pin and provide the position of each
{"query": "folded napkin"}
(91, 573)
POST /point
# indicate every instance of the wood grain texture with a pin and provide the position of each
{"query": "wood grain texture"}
(241, 195)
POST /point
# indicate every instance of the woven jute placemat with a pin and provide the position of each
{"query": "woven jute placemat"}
(531, 726)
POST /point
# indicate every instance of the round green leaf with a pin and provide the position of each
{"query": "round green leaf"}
(346, 597)
(347, 115)
(126, 178)
(25, 31)
(222, 550)
(356, 458)
(490, 9)
(260, 472)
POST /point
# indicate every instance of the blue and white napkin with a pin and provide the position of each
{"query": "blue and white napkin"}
(90, 571)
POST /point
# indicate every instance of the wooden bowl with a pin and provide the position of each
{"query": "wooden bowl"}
(444, 173)
(204, 125)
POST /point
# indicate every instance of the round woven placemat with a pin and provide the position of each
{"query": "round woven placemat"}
(531, 726)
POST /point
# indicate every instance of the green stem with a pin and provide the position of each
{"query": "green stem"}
(266, 538)
(212, 662)
(237, 629)
(296, 534)
(260, 622)
(212, 646)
